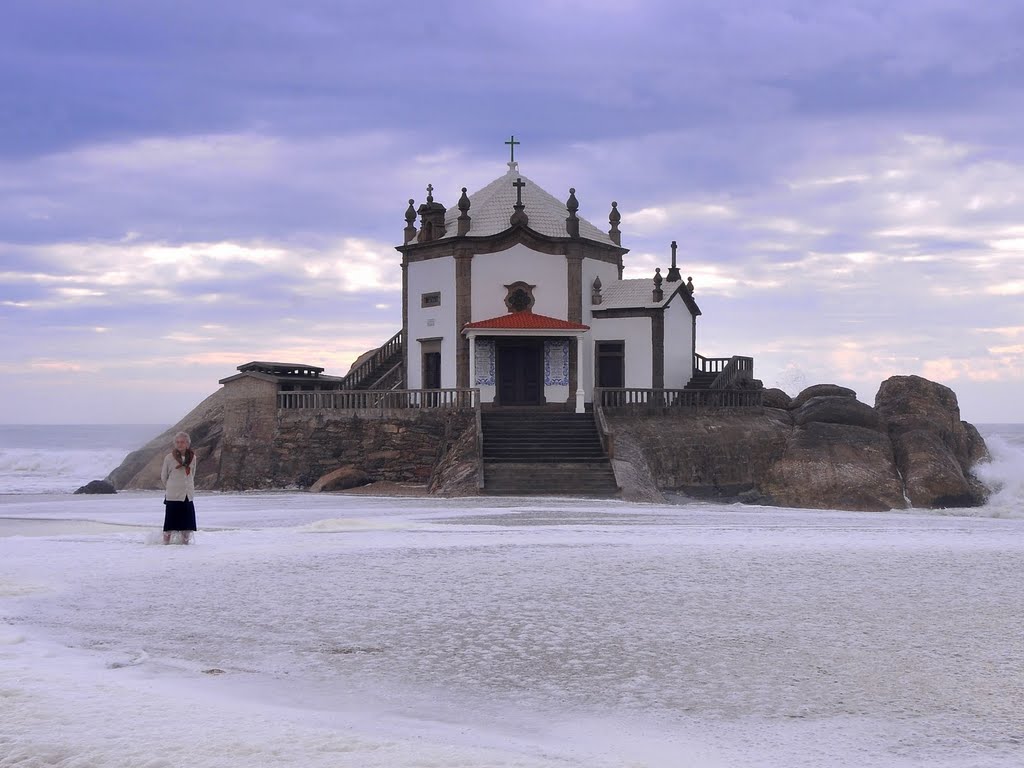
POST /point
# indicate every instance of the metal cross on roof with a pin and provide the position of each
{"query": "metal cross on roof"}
(519, 184)
(512, 144)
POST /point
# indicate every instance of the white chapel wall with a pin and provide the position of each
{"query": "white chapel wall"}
(493, 271)
(678, 344)
(608, 273)
(431, 276)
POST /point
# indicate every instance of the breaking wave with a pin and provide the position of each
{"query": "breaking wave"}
(60, 459)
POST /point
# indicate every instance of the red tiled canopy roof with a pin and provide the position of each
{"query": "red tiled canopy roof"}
(526, 321)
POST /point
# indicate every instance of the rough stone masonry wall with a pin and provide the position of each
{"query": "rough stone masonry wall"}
(399, 446)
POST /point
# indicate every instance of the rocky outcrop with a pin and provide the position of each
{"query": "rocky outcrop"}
(458, 471)
(205, 425)
(97, 486)
(935, 451)
(824, 450)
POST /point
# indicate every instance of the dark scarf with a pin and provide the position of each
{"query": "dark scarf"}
(184, 462)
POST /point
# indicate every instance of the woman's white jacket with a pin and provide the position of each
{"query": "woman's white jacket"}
(180, 486)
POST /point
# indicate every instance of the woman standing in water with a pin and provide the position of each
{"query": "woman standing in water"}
(178, 474)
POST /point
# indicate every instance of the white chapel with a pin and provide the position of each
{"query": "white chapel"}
(512, 292)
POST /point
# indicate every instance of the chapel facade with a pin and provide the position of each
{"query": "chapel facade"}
(512, 292)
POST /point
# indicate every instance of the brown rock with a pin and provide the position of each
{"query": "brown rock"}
(821, 390)
(837, 409)
(97, 486)
(698, 452)
(935, 450)
(776, 398)
(931, 473)
(340, 479)
(835, 466)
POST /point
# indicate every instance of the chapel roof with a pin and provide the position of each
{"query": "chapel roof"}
(638, 293)
(491, 207)
(525, 321)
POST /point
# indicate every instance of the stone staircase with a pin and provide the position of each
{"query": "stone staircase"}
(380, 370)
(544, 453)
(701, 380)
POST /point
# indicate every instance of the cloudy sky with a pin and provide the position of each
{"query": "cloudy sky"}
(186, 185)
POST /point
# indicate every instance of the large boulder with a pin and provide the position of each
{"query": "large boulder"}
(837, 409)
(935, 451)
(835, 466)
(340, 479)
(821, 390)
(776, 398)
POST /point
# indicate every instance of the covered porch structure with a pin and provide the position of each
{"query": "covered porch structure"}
(526, 359)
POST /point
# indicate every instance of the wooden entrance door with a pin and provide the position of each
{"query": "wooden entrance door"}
(519, 372)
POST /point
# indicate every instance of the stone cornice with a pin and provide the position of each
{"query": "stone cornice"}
(515, 235)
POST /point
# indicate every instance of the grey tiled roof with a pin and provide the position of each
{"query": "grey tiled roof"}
(491, 207)
(638, 292)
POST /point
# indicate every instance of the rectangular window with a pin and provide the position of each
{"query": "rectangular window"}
(432, 299)
(610, 361)
(430, 351)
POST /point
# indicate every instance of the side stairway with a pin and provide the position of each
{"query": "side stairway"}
(701, 380)
(544, 453)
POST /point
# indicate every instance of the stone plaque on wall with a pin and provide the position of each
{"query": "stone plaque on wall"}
(484, 373)
(556, 362)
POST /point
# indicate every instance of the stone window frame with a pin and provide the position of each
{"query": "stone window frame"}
(513, 289)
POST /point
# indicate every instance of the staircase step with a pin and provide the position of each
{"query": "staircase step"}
(549, 453)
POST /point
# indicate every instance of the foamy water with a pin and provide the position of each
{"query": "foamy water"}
(328, 631)
(62, 458)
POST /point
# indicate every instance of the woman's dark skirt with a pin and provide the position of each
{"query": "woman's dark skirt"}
(179, 515)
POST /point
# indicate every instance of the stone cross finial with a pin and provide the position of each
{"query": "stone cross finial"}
(673, 275)
(430, 193)
(512, 144)
(519, 216)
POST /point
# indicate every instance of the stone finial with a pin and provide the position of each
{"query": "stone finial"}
(595, 291)
(614, 218)
(673, 275)
(430, 193)
(658, 294)
(689, 285)
(572, 223)
(464, 220)
(410, 221)
(519, 215)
